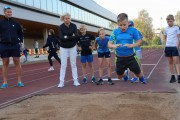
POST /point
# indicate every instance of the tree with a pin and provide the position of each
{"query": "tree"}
(177, 18)
(144, 24)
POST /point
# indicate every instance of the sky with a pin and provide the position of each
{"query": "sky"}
(155, 8)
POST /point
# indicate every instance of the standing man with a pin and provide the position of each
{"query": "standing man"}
(11, 36)
(36, 46)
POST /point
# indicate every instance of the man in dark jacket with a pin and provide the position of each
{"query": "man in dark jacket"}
(11, 36)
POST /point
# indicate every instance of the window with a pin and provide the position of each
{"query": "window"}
(72, 12)
(49, 5)
(37, 3)
(43, 5)
(29, 2)
(60, 11)
(64, 8)
(55, 6)
(21, 1)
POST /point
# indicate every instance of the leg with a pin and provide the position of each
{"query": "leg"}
(73, 53)
(108, 66)
(49, 58)
(18, 68)
(57, 58)
(5, 68)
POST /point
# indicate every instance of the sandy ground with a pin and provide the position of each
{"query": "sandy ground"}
(96, 106)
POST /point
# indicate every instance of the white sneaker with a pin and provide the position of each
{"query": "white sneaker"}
(76, 83)
(61, 84)
(51, 69)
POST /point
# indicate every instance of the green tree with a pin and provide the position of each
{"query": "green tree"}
(177, 18)
(144, 24)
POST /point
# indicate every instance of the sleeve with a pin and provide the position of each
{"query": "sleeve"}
(178, 30)
(47, 43)
(136, 35)
(112, 37)
(61, 35)
(140, 35)
(76, 37)
(20, 33)
(165, 33)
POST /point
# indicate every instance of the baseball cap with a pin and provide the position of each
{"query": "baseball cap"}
(131, 23)
(7, 7)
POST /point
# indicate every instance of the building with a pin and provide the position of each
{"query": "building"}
(37, 16)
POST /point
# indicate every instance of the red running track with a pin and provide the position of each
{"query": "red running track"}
(38, 80)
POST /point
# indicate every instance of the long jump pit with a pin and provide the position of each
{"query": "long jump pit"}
(96, 106)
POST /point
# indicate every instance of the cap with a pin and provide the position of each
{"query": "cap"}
(7, 7)
(131, 23)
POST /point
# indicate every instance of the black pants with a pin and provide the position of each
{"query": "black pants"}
(51, 54)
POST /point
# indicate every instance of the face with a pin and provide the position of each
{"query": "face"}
(83, 31)
(8, 13)
(170, 22)
(67, 19)
(123, 25)
(102, 34)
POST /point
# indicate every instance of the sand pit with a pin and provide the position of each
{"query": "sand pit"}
(96, 106)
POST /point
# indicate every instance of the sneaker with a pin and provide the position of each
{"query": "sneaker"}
(125, 78)
(127, 74)
(110, 82)
(100, 82)
(4, 86)
(84, 80)
(142, 80)
(93, 80)
(51, 69)
(135, 79)
(61, 84)
(173, 79)
(20, 84)
(76, 83)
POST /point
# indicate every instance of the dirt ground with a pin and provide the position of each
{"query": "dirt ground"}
(96, 106)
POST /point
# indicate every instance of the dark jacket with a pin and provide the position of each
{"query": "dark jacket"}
(52, 43)
(10, 31)
(71, 40)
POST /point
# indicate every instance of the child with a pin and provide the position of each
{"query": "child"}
(85, 46)
(138, 53)
(25, 52)
(103, 51)
(171, 43)
(52, 43)
(121, 40)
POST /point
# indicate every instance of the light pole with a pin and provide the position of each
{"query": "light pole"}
(161, 23)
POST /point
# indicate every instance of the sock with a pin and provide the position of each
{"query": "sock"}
(141, 78)
(109, 78)
(84, 76)
(92, 77)
(178, 77)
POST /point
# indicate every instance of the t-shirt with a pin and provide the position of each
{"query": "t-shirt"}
(127, 37)
(102, 44)
(85, 42)
(171, 33)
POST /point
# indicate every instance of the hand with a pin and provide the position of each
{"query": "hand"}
(79, 48)
(116, 45)
(90, 47)
(73, 35)
(44, 49)
(65, 36)
(129, 45)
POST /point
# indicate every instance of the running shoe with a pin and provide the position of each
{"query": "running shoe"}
(51, 69)
(135, 79)
(142, 80)
(84, 80)
(76, 83)
(100, 82)
(173, 79)
(110, 82)
(20, 84)
(4, 86)
(61, 84)
(93, 80)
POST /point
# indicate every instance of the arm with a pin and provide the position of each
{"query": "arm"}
(178, 35)
(164, 39)
(47, 43)
(20, 33)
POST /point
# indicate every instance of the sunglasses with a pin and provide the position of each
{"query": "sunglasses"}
(7, 7)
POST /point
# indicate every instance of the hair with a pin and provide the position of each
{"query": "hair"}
(63, 16)
(82, 26)
(170, 17)
(51, 31)
(6, 8)
(122, 17)
(101, 29)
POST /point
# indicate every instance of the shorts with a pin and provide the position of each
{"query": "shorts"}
(36, 50)
(105, 54)
(171, 51)
(87, 58)
(131, 62)
(139, 54)
(10, 50)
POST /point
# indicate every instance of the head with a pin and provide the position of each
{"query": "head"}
(131, 23)
(66, 17)
(170, 20)
(83, 29)
(101, 33)
(122, 21)
(51, 32)
(7, 11)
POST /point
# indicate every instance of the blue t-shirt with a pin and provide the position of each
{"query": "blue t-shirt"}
(127, 37)
(102, 44)
(141, 36)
